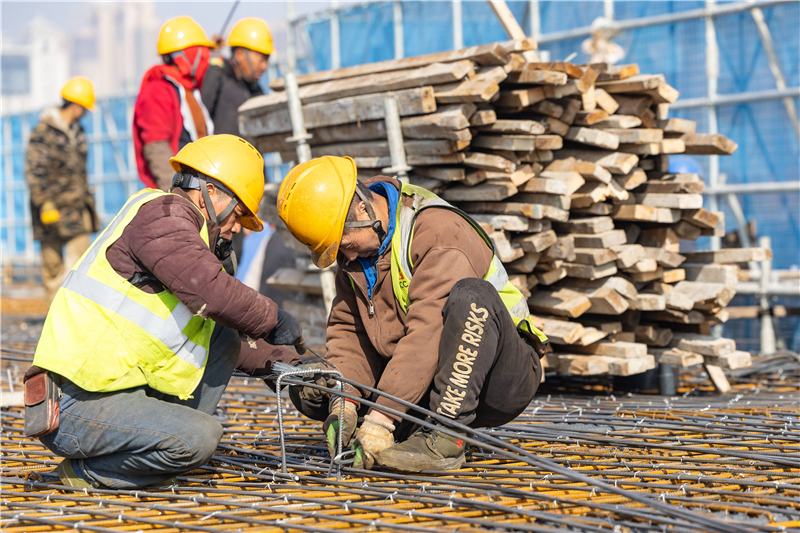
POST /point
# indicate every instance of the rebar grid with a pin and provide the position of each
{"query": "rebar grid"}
(736, 459)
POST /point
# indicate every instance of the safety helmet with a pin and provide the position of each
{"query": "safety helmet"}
(233, 162)
(181, 33)
(253, 34)
(79, 90)
(313, 202)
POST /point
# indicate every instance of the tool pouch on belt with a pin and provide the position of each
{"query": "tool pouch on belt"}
(42, 397)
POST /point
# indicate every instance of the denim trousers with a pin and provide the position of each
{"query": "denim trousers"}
(137, 437)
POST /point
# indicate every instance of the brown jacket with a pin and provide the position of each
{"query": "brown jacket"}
(393, 351)
(164, 239)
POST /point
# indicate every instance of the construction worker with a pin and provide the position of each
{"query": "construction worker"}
(230, 82)
(423, 311)
(169, 110)
(144, 334)
(62, 206)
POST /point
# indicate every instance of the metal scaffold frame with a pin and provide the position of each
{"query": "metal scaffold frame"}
(716, 189)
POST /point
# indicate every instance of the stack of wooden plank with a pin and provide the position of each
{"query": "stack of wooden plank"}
(566, 167)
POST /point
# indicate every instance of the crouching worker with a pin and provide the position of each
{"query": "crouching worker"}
(424, 312)
(143, 334)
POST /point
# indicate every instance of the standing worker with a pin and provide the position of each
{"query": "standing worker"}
(62, 206)
(424, 311)
(143, 335)
(169, 110)
(231, 82)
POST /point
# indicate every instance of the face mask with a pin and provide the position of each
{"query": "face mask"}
(192, 63)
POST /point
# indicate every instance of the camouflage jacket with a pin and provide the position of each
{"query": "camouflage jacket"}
(55, 169)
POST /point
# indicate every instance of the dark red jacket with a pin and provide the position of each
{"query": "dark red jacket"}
(164, 239)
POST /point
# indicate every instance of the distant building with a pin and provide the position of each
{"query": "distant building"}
(34, 72)
(113, 51)
(117, 46)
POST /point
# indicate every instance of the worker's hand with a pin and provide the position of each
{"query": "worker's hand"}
(372, 438)
(49, 214)
(323, 380)
(347, 424)
(287, 331)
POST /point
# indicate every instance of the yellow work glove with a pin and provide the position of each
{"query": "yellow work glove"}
(49, 214)
(372, 438)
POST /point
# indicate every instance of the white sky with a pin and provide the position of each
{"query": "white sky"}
(74, 15)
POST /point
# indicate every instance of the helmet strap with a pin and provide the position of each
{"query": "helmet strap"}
(373, 222)
(238, 68)
(191, 64)
(212, 214)
(188, 181)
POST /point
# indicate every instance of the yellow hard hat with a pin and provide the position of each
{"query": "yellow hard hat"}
(79, 90)
(313, 202)
(232, 161)
(251, 33)
(181, 33)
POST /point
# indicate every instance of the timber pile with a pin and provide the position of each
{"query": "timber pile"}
(566, 167)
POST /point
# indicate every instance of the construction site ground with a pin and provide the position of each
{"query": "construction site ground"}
(696, 461)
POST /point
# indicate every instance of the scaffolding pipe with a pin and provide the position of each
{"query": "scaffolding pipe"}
(535, 19)
(458, 27)
(737, 98)
(712, 75)
(767, 329)
(397, 18)
(774, 66)
(754, 188)
(662, 20)
(336, 55)
(394, 133)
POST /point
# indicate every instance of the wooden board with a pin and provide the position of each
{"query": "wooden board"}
(708, 144)
(255, 121)
(487, 54)
(730, 255)
(591, 137)
(614, 162)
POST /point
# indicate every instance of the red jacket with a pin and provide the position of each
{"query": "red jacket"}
(157, 115)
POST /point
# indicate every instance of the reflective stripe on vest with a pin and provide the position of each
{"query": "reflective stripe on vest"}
(512, 298)
(161, 342)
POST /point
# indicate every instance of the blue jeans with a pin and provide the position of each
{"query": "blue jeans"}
(137, 437)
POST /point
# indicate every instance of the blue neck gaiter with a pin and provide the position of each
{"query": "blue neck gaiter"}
(392, 196)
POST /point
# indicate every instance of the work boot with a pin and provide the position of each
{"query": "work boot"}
(69, 477)
(426, 449)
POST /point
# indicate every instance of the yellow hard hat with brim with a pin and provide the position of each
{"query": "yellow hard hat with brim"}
(313, 202)
(232, 161)
(179, 34)
(253, 34)
(79, 90)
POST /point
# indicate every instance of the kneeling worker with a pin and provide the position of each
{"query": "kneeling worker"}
(143, 334)
(424, 311)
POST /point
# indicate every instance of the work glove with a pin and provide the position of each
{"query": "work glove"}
(287, 331)
(372, 438)
(323, 380)
(49, 214)
(332, 424)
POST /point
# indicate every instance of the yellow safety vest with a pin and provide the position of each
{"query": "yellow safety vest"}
(104, 334)
(401, 258)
